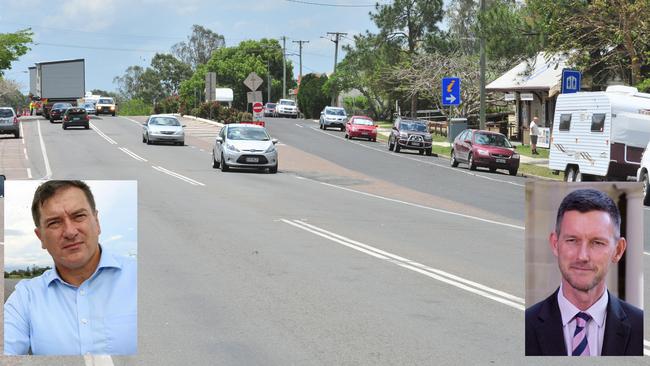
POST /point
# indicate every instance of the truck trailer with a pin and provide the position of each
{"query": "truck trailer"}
(58, 81)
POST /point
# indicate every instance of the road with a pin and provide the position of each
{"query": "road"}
(350, 255)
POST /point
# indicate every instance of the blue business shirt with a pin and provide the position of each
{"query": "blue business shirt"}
(53, 317)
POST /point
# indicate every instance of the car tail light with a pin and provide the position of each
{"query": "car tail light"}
(87, 118)
(15, 120)
(65, 118)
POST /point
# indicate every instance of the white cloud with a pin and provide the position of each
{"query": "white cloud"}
(95, 15)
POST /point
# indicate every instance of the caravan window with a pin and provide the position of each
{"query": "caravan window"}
(597, 122)
(565, 122)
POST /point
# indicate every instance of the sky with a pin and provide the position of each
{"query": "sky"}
(112, 35)
(116, 202)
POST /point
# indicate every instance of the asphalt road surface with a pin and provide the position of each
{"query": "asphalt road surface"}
(350, 255)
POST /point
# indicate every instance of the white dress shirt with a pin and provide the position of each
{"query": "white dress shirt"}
(595, 326)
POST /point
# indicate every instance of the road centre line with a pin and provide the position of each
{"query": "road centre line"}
(132, 154)
(46, 161)
(100, 133)
(420, 161)
(22, 133)
(417, 205)
(459, 282)
(29, 173)
(179, 176)
(25, 152)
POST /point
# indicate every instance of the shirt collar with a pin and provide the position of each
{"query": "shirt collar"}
(597, 311)
(106, 260)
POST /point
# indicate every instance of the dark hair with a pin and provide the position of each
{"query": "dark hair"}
(48, 189)
(586, 200)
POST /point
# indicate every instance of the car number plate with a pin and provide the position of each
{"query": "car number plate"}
(252, 160)
(364, 133)
(417, 144)
(502, 161)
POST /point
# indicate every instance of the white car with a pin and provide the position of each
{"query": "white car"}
(245, 145)
(286, 107)
(89, 107)
(643, 175)
(333, 117)
(163, 128)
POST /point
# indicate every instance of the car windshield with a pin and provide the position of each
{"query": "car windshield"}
(270, 105)
(75, 111)
(164, 121)
(4, 113)
(62, 105)
(413, 126)
(335, 112)
(247, 133)
(105, 101)
(491, 139)
(287, 102)
(362, 121)
(89, 105)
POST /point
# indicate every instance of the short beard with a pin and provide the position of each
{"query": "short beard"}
(583, 288)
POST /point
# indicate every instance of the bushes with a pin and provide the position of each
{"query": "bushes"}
(168, 105)
(217, 112)
(134, 107)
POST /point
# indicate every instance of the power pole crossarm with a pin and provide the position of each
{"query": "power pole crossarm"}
(300, 55)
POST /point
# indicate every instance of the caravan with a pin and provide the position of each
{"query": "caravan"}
(600, 135)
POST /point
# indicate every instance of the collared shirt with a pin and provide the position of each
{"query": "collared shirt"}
(534, 129)
(53, 317)
(595, 326)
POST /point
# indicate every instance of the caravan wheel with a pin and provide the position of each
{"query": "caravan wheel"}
(572, 174)
(646, 189)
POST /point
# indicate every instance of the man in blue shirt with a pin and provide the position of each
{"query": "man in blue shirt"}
(88, 303)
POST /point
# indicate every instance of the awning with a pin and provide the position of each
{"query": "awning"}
(544, 74)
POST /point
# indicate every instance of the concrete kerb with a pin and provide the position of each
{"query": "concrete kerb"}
(218, 124)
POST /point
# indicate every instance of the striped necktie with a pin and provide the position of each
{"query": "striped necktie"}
(580, 344)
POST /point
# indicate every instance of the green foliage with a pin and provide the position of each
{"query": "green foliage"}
(356, 105)
(168, 105)
(199, 46)
(218, 112)
(509, 31)
(29, 272)
(134, 107)
(312, 97)
(12, 46)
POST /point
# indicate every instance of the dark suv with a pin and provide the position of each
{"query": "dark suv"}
(410, 134)
(76, 116)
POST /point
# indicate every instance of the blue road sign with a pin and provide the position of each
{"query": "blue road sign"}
(571, 81)
(450, 91)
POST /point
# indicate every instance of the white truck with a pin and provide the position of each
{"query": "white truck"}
(600, 135)
(58, 81)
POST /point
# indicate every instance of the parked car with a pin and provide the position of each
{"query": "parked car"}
(643, 175)
(333, 117)
(245, 146)
(9, 122)
(479, 148)
(286, 107)
(163, 128)
(269, 110)
(76, 116)
(89, 107)
(411, 134)
(105, 106)
(56, 113)
(361, 127)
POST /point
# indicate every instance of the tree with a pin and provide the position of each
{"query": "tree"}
(130, 84)
(170, 72)
(12, 46)
(311, 96)
(10, 94)
(199, 46)
(408, 23)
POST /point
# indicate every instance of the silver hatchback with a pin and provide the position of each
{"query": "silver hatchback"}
(245, 146)
(9, 123)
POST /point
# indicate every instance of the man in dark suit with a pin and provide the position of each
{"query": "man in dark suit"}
(582, 318)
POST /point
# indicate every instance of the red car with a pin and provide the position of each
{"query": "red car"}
(361, 127)
(485, 149)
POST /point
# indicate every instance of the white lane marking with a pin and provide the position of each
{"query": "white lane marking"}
(646, 253)
(98, 360)
(29, 173)
(134, 121)
(467, 285)
(132, 154)
(402, 156)
(179, 176)
(301, 126)
(22, 133)
(417, 205)
(100, 133)
(25, 151)
(48, 170)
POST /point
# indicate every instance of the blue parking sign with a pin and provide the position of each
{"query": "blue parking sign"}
(451, 91)
(571, 81)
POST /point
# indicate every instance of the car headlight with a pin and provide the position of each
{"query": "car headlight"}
(232, 148)
(112, 108)
(178, 132)
(270, 149)
(403, 134)
(515, 156)
(427, 137)
(482, 152)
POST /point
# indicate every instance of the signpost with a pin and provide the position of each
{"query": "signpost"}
(258, 111)
(571, 81)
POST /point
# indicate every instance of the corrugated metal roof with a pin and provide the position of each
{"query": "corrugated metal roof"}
(546, 73)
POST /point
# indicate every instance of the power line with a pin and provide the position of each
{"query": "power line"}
(332, 5)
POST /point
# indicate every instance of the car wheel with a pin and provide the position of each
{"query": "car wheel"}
(87, 126)
(342, 129)
(51, 120)
(224, 166)
(273, 169)
(113, 114)
(492, 170)
(454, 162)
(320, 125)
(346, 136)
(181, 143)
(421, 152)
(64, 126)
(148, 140)
(513, 172)
(397, 148)
(17, 135)
(143, 139)
(470, 162)
(374, 139)
(215, 163)
(646, 188)
(429, 152)
(391, 146)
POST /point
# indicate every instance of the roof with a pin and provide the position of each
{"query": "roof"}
(546, 74)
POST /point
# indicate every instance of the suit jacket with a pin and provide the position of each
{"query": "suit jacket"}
(623, 329)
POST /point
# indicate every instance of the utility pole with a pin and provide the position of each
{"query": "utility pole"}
(482, 41)
(284, 67)
(268, 82)
(300, 55)
(337, 37)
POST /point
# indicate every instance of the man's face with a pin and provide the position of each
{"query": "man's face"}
(585, 248)
(69, 229)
